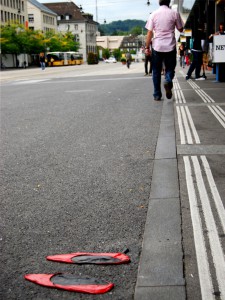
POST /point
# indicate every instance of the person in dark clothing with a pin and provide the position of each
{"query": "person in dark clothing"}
(128, 59)
(197, 52)
(220, 30)
(162, 22)
(148, 60)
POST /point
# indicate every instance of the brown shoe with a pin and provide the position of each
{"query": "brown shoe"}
(168, 90)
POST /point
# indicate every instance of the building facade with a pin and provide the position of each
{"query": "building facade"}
(13, 11)
(41, 17)
(109, 42)
(83, 27)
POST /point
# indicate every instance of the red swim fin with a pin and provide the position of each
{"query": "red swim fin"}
(91, 258)
(71, 283)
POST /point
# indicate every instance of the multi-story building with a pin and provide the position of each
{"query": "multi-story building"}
(13, 11)
(109, 42)
(131, 43)
(70, 18)
(41, 17)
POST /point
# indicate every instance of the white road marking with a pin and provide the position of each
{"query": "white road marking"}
(186, 126)
(29, 81)
(216, 196)
(194, 131)
(214, 241)
(79, 91)
(217, 115)
(181, 127)
(216, 110)
(201, 254)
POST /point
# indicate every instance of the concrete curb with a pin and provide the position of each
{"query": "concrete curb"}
(160, 274)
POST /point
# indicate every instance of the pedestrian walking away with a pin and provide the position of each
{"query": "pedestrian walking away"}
(197, 52)
(163, 22)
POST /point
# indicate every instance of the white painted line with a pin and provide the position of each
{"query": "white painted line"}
(217, 117)
(215, 245)
(194, 131)
(181, 128)
(219, 113)
(205, 99)
(222, 111)
(186, 125)
(29, 81)
(79, 91)
(216, 196)
(201, 255)
(206, 95)
(176, 96)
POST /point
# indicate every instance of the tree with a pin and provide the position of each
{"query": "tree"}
(106, 53)
(117, 54)
(137, 30)
(16, 39)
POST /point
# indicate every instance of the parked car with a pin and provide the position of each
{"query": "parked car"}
(110, 60)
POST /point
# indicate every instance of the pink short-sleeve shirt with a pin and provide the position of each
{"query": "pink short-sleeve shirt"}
(163, 22)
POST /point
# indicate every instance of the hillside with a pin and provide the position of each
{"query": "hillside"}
(122, 27)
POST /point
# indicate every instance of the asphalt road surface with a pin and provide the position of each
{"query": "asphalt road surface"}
(78, 145)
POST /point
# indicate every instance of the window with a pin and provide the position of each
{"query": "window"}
(58, 18)
(76, 26)
(30, 18)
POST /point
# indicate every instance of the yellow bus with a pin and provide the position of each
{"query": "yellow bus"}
(64, 58)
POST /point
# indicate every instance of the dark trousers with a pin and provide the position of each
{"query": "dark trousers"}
(170, 61)
(196, 64)
(148, 59)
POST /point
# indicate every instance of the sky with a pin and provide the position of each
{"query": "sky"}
(114, 10)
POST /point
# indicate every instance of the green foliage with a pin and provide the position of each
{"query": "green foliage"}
(123, 59)
(92, 58)
(123, 27)
(105, 53)
(17, 39)
(137, 30)
(117, 54)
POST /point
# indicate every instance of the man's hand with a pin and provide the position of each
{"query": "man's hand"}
(147, 51)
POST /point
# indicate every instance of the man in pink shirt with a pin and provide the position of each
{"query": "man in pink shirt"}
(162, 24)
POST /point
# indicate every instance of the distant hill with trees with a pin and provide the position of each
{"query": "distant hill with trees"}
(125, 27)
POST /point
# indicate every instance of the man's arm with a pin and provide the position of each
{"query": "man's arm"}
(148, 39)
(148, 42)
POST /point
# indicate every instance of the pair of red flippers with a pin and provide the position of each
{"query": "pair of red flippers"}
(72, 283)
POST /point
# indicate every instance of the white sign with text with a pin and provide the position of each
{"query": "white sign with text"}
(219, 48)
